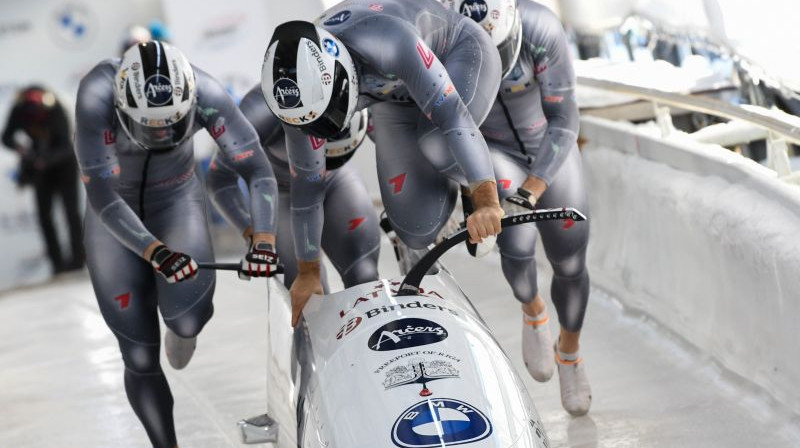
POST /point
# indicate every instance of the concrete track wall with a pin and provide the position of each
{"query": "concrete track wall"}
(704, 241)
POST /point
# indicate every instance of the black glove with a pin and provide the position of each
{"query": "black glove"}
(173, 266)
(260, 261)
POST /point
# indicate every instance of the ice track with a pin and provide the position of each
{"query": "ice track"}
(61, 377)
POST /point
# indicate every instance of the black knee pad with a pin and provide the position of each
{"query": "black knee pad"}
(140, 358)
(190, 324)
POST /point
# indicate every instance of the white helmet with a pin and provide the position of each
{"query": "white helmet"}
(500, 18)
(339, 149)
(155, 95)
(309, 79)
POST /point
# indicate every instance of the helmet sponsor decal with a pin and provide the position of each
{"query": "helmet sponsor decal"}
(406, 333)
(312, 47)
(377, 7)
(287, 94)
(158, 90)
(474, 9)
(331, 47)
(440, 422)
(327, 79)
(338, 19)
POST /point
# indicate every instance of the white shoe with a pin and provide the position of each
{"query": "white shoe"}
(179, 350)
(576, 394)
(537, 348)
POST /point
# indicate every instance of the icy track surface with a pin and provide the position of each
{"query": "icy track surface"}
(61, 377)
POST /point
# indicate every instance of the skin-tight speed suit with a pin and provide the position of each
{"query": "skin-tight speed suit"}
(350, 236)
(136, 197)
(431, 76)
(532, 130)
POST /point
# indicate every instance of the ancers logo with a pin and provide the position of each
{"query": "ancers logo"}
(287, 94)
(406, 333)
(475, 9)
(158, 90)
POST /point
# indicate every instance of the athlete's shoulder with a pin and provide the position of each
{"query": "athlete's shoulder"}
(210, 92)
(538, 19)
(96, 88)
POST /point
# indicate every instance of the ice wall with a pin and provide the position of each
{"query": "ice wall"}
(704, 241)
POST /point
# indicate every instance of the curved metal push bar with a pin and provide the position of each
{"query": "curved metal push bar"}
(235, 267)
(410, 285)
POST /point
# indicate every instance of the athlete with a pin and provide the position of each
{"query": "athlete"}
(532, 134)
(430, 76)
(350, 235)
(146, 216)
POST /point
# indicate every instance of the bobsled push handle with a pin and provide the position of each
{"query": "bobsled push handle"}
(235, 267)
(410, 285)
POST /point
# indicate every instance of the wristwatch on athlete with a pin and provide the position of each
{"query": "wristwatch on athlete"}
(527, 194)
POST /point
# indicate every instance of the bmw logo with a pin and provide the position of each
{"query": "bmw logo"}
(439, 423)
(72, 25)
(330, 47)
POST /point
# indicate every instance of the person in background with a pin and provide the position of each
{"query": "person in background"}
(38, 129)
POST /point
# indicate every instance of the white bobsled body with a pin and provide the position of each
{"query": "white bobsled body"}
(376, 370)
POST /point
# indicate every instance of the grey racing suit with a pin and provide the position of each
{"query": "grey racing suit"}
(532, 130)
(350, 236)
(136, 197)
(432, 75)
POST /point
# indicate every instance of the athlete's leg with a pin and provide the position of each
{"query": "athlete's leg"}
(565, 247)
(351, 235)
(180, 222)
(517, 244)
(517, 254)
(418, 199)
(125, 288)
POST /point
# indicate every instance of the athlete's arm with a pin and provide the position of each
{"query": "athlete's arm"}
(222, 184)
(96, 153)
(307, 194)
(545, 38)
(394, 47)
(222, 180)
(239, 143)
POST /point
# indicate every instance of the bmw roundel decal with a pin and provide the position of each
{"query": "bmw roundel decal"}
(440, 422)
(331, 47)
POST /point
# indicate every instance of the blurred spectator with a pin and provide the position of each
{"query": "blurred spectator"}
(135, 35)
(38, 129)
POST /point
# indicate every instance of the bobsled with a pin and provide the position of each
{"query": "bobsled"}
(405, 362)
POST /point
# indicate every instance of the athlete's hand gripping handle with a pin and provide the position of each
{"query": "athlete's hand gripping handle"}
(485, 220)
(173, 266)
(260, 261)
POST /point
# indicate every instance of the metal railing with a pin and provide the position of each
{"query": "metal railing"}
(782, 128)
